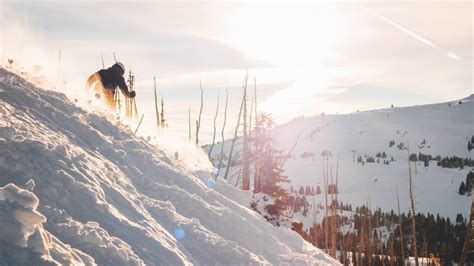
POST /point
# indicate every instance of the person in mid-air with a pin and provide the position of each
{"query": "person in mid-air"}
(105, 83)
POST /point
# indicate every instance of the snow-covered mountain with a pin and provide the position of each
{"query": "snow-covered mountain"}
(442, 129)
(78, 189)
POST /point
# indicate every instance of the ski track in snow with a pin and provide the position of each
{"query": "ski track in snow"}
(97, 194)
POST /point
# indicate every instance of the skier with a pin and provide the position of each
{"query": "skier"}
(105, 82)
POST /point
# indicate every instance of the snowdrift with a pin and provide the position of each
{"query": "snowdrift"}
(78, 189)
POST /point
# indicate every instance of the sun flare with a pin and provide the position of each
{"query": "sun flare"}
(295, 41)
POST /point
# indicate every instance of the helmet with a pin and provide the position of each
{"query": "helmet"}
(121, 66)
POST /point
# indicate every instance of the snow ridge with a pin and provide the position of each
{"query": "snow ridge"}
(102, 195)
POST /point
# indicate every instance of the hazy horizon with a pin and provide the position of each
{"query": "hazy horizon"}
(307, 58)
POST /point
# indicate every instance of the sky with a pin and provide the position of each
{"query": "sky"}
(306, 57)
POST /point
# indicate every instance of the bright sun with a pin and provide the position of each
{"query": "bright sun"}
(295, 40)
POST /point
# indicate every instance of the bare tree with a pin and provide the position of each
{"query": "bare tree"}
(251, 106)
(326, 233)
(314, 235)
(256, 165)
(362, 239)
(129, 102)
(392, 249)
(162, 115)
(139, 123)
(381, 254)
(369, 235)
(221, 154)
(229, 160)
(401, 229)
(214, 132)
(335, 203)
(245, 155)
(198, 122)
(412, 203)
(157, 112)
(332, 251)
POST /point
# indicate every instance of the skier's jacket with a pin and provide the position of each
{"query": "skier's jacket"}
(112, 78)
(104, 83)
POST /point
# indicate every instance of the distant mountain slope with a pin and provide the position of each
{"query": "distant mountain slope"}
(88, 191)
(439, 129)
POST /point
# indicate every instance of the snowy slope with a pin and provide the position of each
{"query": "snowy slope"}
(445, 127)
(101, 195)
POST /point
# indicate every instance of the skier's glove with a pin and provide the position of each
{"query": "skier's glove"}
(132, 94)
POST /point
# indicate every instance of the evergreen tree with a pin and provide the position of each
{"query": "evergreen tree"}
(462, 189)
(427, 163)
(391, 143)
(270, 174)
(469, 178)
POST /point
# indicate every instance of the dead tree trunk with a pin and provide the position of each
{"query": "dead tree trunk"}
(139, 123)
(381, 253)
(335, 202)
(314, 235)
(245, 155)
(413, 219)
(392, 249)
(198, 122)
(157, 111)
(401, 229)
(333, 220)
(162, 115)
(229, 160)
(221, 154)
(325, 219)
(369, 237)
(362, 240)
(128, 101)
(214, 132)
(251, 106)
(256, 179)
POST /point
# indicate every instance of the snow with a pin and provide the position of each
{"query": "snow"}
(446, 128)
(79, 189)
(23, 238)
